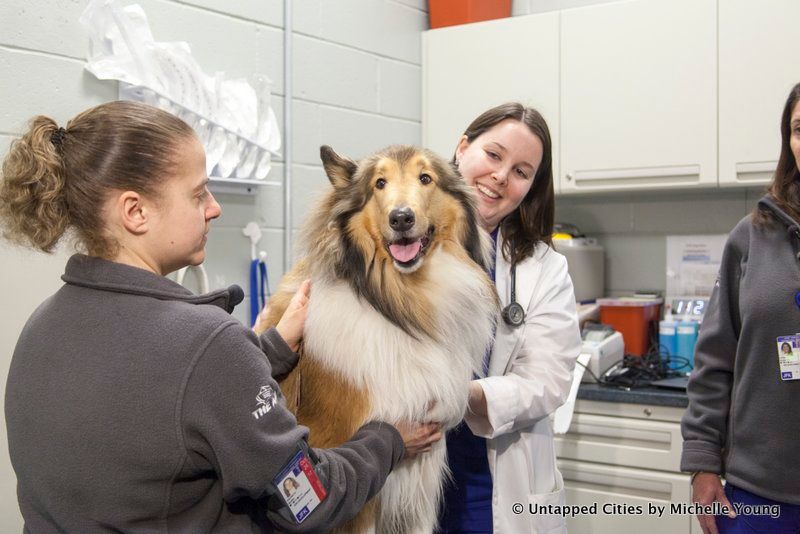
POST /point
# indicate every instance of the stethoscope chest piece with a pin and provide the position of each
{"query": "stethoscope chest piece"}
(513, 314)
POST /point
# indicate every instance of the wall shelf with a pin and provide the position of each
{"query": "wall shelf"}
(203, 126)
(238, 186)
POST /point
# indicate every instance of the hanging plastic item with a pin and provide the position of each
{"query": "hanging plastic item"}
(232, 117)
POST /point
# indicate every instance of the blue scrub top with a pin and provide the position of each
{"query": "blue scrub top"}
(467, 506)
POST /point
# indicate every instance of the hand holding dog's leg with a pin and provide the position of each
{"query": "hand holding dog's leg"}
(418, 438)
(290, 327)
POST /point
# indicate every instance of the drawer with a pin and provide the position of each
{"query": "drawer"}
(625, 500)
(636, 411)
(622, 441)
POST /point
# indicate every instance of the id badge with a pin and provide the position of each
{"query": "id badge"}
(299, 486)
(789, 357)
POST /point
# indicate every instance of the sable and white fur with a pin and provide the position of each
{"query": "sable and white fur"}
(391, 340)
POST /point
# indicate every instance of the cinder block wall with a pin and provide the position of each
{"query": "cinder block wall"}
(356, 87)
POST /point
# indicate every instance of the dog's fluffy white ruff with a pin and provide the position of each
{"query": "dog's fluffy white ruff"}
(405, 376)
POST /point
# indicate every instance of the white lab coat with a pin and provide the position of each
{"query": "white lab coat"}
(530, 372)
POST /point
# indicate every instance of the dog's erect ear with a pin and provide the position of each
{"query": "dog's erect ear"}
(340, 170)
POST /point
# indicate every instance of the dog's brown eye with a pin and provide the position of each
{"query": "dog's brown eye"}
(380, 184)
(425, 179)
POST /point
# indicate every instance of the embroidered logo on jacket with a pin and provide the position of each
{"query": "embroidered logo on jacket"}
(266, 399)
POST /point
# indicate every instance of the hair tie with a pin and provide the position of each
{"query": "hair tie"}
(57, 137)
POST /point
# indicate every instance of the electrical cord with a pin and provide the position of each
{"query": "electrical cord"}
(639, 371)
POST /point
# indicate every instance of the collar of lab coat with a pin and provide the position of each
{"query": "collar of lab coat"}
(507, 338)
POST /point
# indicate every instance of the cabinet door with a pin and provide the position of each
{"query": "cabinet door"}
(639, 95)
(757, 41)
(471, 68)
(623, 500)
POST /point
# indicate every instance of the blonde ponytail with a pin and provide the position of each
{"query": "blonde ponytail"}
(55, 179)
(33, 207)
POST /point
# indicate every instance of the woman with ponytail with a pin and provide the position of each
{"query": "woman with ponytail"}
(132, 404)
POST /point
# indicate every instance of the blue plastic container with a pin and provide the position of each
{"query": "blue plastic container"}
(686, 340)
(668, 339)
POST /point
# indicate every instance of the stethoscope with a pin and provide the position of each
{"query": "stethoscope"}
(513, 314)
(199, 272)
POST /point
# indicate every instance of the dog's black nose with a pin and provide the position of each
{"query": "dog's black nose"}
(401, 219)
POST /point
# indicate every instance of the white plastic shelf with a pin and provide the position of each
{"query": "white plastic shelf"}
(232, 184)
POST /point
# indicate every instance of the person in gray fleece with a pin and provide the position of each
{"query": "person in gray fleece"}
(744, 392)
(132, 404)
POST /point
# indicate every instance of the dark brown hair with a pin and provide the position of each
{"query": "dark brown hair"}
(532, 221)
(785, 185)
(54, 179)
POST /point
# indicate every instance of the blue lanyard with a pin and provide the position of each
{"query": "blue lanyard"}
(491, 273)
(259, 288)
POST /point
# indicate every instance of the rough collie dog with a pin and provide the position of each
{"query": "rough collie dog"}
(400, 317)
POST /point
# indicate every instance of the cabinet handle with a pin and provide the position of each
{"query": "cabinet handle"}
(648, 412)
(569, 177)
(761, 166)
(751, 172)
(674, 175)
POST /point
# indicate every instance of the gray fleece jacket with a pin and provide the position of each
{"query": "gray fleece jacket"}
(742, 421)
(133, 405)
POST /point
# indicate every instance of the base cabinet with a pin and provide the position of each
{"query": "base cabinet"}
(625, 500)
(622, 463)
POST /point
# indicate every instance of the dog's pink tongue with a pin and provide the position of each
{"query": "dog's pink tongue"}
(404, 253)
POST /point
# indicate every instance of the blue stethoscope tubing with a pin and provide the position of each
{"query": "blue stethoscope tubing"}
(259, 288)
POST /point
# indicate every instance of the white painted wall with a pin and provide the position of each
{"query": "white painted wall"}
(356, 83)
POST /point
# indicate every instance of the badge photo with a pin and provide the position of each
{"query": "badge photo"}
(299, 486)
(789, 357)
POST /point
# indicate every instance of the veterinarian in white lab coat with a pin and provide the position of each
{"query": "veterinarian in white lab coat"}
(506, 155)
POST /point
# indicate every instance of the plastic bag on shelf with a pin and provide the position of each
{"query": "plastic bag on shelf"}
(232, 118)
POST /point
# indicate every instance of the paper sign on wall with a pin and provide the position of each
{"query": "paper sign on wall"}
(693, 263)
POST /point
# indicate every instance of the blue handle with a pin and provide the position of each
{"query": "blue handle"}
(259, 288)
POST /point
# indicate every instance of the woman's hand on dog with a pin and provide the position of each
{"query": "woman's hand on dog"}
(418, 437)
(290, 327)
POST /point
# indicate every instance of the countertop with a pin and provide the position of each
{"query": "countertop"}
(645, 395)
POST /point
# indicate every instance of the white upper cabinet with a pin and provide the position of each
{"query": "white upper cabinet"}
(469, 69)
(757, 68)
(639, 95)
